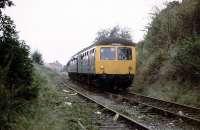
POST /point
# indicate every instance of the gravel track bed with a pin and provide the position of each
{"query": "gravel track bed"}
(139, 113)
(102, 119)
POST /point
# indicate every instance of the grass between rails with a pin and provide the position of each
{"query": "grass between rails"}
(50, 110)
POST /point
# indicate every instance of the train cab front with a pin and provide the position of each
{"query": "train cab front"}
(116, 65)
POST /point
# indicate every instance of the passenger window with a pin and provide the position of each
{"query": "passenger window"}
(124, 53)
(81, 56)
(107, 53)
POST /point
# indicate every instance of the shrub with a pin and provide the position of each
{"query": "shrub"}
(5, 105)
(16, 71)
(29, 92)
(153, 68)
(37, 58)
(187, 60)
(15, 64)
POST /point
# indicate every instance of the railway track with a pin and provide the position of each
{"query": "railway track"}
(184, 112)
(141, 113)
(134, 124)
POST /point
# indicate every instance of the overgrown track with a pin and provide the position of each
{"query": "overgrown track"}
(136, 125)
(184, 112)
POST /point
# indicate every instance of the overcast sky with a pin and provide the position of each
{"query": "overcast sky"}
(60, 28)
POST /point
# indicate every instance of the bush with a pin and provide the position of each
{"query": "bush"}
(5, 104)
(16, 71)
(153, 68)
(15, 64)
(29, 92)
(174, 31)
(37, 58)
(12, 104)
(187, 60)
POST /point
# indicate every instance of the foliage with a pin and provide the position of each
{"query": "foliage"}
(154, 66)
(176, 22)
(37, 58)
(17, 81)
(169, 52)
(50, 111)
(166, 33)
(187, 60)
(121, 34)
(11, 105)
(4, 3)
(14, 55)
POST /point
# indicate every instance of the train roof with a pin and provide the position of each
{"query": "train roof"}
(108, 41)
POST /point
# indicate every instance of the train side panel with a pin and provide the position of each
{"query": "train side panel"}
(72, 66)
(86, 62)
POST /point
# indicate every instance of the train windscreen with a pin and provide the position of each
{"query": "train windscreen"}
(108, 53)
(124, 53)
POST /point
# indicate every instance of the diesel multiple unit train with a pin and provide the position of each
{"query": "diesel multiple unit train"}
(111, 64)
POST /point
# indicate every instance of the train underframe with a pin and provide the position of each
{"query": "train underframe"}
(105, 81)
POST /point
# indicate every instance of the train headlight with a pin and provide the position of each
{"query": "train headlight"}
(102, 67)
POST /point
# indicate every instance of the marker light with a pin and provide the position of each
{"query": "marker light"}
(102, 67)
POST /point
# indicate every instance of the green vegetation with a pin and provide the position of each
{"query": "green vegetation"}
(37, 58)
(50, 110)
(114, 34)
(168, 57)
(17, 80)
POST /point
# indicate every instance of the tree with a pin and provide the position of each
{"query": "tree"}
(4, 4)
(171, 44)
(113, 34)
(187, 60)
(16, 69)
(37, 58)
(14, 55)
